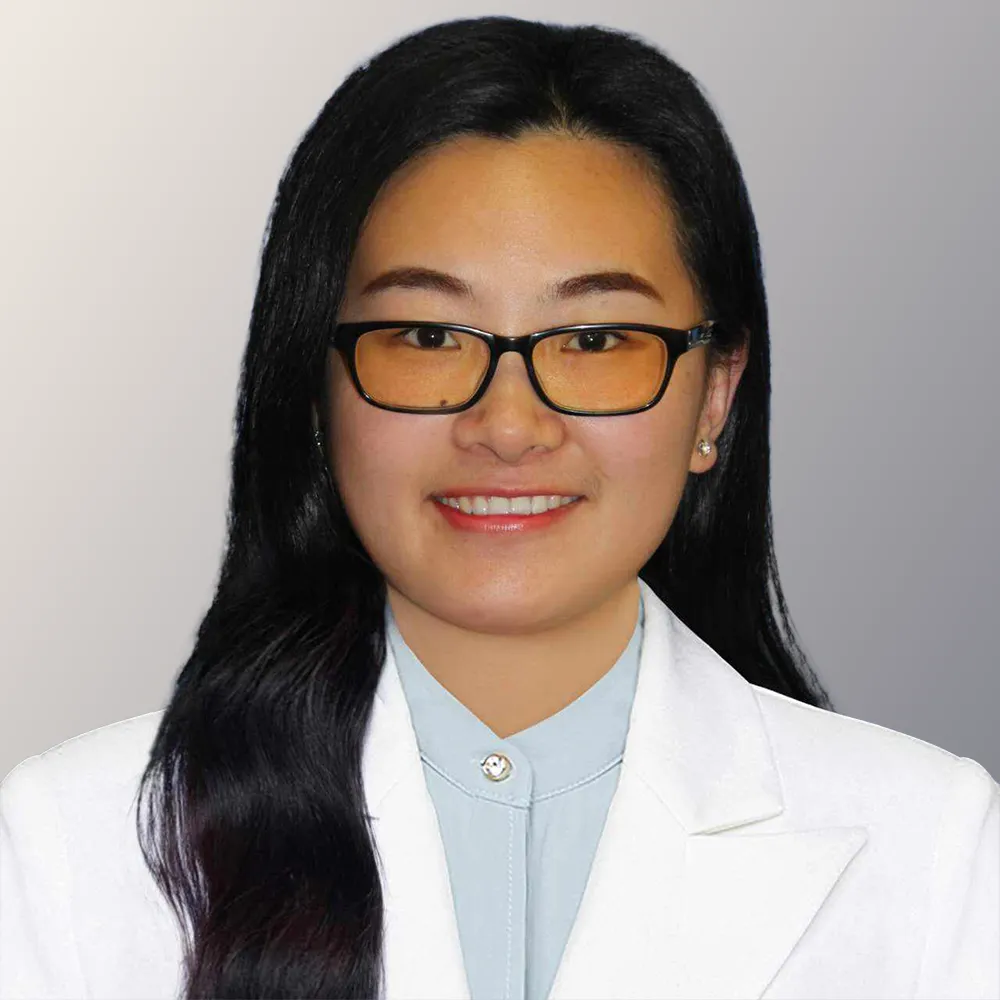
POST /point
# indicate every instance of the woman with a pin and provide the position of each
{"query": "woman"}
(498, 695)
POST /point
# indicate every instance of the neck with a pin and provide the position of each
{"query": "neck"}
(511, 681)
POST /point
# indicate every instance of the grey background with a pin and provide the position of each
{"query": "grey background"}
(142, 144)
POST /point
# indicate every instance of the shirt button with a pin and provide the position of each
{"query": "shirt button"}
(497, 766)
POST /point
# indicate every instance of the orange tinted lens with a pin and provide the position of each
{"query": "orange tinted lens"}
(601, 370)
(421, 367)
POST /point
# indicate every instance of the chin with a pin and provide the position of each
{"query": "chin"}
(491, 606)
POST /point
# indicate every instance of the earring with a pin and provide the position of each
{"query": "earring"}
(705, 447)
(318, 438)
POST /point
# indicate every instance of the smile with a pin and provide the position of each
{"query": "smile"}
(481, 506)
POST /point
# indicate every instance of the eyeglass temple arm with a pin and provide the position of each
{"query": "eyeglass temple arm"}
(701, 334)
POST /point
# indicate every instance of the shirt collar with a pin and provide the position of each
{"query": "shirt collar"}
(579, 742)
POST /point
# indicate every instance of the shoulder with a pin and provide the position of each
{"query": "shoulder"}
(929, 870)
(866, 772)
(85, 771)
(80, 914)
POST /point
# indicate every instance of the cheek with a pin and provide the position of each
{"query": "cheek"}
(649, 451)
(645, 465)
(376, 457)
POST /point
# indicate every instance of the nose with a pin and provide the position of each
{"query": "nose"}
(511, 419)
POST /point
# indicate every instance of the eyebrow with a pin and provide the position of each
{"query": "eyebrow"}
(569, 288)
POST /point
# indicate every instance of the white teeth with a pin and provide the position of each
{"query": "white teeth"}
(483, 506)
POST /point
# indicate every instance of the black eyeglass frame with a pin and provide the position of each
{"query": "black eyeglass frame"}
(345, 337)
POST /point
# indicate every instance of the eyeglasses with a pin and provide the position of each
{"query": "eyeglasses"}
(590, 369)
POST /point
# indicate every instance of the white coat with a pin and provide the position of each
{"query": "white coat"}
(755, 847)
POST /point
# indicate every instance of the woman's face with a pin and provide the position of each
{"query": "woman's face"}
(508, 221)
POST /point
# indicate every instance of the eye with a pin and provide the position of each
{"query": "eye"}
(428, 337)
(597, 341)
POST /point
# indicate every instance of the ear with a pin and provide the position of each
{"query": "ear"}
(723, 378)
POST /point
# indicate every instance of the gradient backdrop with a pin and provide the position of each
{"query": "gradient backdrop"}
(141, 147)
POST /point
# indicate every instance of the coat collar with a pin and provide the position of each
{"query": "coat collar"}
(684, 898)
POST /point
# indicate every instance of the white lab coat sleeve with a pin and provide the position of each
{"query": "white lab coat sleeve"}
(961, 957)
(38, 951)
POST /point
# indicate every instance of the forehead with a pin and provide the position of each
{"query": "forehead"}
(543, 204)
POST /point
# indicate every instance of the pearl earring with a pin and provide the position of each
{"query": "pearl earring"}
(705, 447)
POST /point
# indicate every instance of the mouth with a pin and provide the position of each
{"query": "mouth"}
(503, 506)
(492, 515)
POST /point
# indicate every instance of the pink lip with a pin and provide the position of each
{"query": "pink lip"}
(503, 523)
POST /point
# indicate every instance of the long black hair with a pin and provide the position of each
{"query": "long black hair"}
(252, 814)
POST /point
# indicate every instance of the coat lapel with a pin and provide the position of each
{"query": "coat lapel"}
(686, 898)
(422, 950)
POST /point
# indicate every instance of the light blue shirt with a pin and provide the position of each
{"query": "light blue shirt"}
(519, 849)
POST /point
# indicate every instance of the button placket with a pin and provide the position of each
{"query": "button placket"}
(504, 778)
